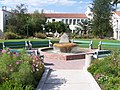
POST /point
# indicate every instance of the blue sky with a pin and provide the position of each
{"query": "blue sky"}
(69, 6)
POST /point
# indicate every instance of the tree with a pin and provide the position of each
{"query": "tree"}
(18, 20)
(56, 26)
(82, 27)
(102, 13)
(37, 22)
(21, 9)
(115, 2)
(25, 24)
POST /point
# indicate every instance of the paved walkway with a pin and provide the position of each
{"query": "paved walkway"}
(62, 64)
(68, 75)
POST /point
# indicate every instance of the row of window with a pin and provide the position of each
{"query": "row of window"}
(70, 21)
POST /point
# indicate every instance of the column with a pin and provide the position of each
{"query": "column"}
(72, 30)
(115, 34)
(118, 35)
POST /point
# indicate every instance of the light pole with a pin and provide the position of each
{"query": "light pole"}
(117, 31)
(43, 27)
(27, 30)
(27, 27)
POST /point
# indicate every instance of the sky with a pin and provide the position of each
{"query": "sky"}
(50, 6)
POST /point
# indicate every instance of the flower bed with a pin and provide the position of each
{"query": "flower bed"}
(19, 71)
(107, 72)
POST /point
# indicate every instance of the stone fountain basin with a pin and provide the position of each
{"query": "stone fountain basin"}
(50, 54)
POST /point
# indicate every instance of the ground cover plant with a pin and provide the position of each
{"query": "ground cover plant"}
(19, 71)
(107, 71)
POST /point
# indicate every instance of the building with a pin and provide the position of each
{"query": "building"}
(4, 15)
(116, 25)
(115, 22)
(71, 19)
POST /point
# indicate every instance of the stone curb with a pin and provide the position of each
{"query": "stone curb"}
(43, 79)
(95, 85)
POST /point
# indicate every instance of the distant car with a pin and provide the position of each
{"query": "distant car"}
(101, 53)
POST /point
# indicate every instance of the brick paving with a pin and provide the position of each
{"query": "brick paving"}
(68, 75)
(63, 64)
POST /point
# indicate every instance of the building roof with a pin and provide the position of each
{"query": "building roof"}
(6, 11)
(118, 13)
(64, 15)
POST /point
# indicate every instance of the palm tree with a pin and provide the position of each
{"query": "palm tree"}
(115, 2)
(20, 9)
(82, 27)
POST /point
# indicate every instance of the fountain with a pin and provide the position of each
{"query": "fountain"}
(64, 50)
(64, 46)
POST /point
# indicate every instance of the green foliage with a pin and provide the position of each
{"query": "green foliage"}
(36, 23)
(40, 35)
(25, 24)
(19, 71)
(11, 85)
(106, 71)
(101, 24)
(83, 26)
(11, 35)
(56, 26)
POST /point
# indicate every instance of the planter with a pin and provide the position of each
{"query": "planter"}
(88, 58)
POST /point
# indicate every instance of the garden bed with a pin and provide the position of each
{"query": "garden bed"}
(106, 72)
(19, 71)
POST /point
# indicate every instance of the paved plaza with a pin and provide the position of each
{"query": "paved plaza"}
(68, 75)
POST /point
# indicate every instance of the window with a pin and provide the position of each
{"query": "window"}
(74, 21)
(63, 20)
(66, 21)
(82, 20)
(78, 20)
(5, 15)
(70, 21)
(53, 20)
(6, 22)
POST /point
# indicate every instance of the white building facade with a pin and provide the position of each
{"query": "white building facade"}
(116, 25)
(71, 19)
(4, 15)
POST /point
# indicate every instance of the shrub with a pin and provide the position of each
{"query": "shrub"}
(40, 35)
(11, 85)
(10, 35)
(106, 71)
(19, 70)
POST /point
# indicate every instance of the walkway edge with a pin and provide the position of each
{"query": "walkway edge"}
(95, 85)
(43, 79)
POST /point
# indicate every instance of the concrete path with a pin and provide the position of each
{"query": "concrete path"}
(68, 75)
(69, 80)
(62, 64)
